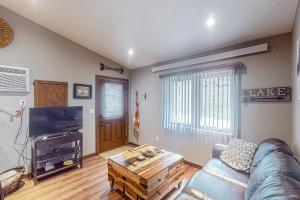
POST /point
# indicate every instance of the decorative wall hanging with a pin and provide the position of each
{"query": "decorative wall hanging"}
(82, 91)
(298, 70)
(136, 119)
(275, 94)
(105, 67)
(6, 33)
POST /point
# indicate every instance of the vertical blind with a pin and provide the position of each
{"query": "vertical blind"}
(201, 102)
(113, 100)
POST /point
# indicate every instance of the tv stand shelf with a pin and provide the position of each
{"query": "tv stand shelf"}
(57, 156)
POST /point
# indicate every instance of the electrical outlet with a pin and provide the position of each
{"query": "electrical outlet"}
(157, 138)
(22, 103)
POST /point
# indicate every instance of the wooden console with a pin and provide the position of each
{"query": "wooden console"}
(151, 179)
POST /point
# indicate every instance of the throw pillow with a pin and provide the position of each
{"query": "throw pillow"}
(238, 155)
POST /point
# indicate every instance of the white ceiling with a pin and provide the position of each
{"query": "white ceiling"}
(157, 30)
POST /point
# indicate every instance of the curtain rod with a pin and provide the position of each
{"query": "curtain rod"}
(208, 68)
(214, 56)
(105, 67)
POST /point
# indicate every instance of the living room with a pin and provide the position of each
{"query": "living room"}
(158, 98)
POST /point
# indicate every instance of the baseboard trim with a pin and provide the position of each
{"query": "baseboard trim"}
(133, 144)
(192, 164)
(89, 156)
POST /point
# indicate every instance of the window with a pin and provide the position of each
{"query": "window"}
(201, 102)
(113, 100)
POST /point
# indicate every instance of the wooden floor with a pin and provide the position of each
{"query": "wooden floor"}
(87, 183)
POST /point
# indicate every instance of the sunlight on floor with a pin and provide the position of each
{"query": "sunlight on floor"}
(115, 151)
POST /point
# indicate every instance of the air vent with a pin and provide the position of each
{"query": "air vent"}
(14, 79)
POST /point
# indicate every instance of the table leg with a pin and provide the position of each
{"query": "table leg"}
(179, 184)
(112, 184)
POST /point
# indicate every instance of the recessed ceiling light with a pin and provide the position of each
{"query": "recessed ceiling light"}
(130, 52)
(34, 1)
(210, 21)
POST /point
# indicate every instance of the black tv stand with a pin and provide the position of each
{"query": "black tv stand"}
(62, 147)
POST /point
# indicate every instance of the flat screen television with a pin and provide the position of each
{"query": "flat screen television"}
(52, 121)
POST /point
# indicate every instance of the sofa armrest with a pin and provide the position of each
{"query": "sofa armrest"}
(217, 150)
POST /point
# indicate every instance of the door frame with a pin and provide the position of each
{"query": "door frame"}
(126, 83)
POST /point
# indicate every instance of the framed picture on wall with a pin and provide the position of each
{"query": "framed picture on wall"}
(298, 70)
(82, 91)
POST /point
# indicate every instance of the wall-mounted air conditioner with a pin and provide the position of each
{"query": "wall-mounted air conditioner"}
(14, 79)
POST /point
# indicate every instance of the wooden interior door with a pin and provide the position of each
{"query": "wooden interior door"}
(50, 93)
(111, 113)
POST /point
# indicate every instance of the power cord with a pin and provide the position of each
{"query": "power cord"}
(22, 147)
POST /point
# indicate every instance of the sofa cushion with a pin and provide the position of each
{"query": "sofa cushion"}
(274, 163)
(266, 147)
(239, 155)
(216, 166)
(215, 187)
(217, 150)
(278, 187)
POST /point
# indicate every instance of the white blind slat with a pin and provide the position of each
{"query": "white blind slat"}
(199, 102)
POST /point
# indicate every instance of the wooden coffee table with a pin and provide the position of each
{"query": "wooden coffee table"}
(151, 178)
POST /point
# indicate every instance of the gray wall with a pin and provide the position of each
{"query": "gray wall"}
(295, 102)
(52, 57)
(49, 57)
(258, 120)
